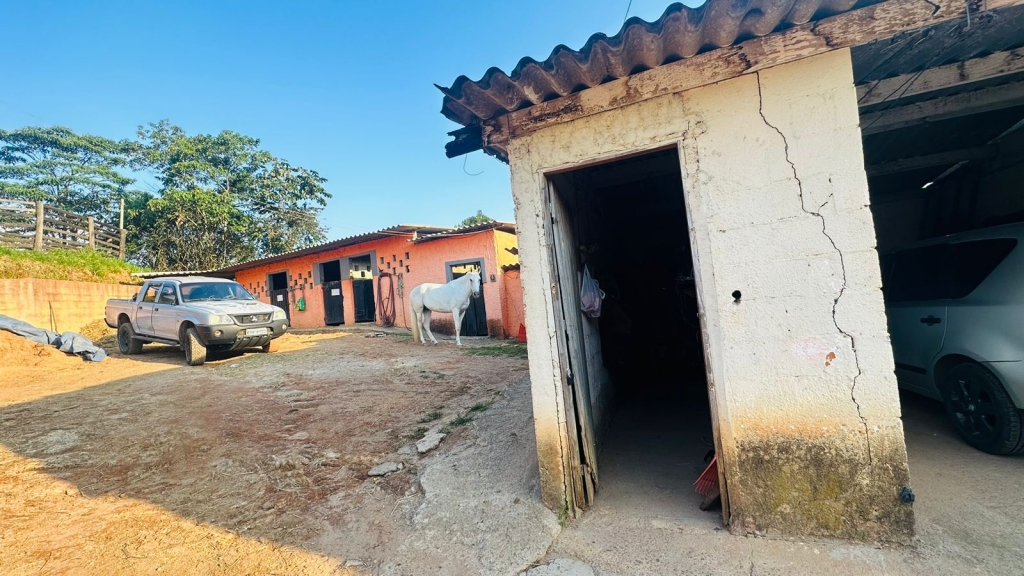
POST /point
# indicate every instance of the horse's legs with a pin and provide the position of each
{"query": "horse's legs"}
(418, 319)
(426, 325)
(457, 317)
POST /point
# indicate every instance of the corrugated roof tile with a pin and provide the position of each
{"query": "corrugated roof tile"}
(681, 32)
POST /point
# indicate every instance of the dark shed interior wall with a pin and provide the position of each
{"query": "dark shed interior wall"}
(981, 193)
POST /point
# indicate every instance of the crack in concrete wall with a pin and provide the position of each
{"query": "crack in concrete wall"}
(842, 263)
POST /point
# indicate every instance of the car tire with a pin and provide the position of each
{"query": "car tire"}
(270, 347)
(981, 410)
(195, 352)
(127, 343)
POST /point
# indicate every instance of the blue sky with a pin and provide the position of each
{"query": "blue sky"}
(344, 88)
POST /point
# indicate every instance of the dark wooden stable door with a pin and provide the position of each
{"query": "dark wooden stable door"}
(362, 291)
(280, 299)
(334, 304)
(474, 323)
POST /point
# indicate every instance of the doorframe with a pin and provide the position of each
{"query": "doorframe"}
(374, 265)
(287, 278)
(482, 261)
(288, 292)
(704, 283)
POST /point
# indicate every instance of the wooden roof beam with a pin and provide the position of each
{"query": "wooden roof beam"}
(948, 76)
(945, 108)
(845, 30)
(932, 160)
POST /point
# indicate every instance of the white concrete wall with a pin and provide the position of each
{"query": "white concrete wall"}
(809, 417)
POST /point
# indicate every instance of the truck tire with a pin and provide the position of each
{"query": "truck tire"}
(195, 352)
(127, 343)
(270, 347)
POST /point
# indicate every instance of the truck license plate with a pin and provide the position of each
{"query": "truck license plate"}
(257, 331)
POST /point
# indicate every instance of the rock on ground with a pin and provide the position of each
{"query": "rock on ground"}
(429, 442)
(481, 512)
(385, 468)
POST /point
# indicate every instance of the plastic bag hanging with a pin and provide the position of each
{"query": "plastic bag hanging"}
(591, 295)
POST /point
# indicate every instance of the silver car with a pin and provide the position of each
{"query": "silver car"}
(956, 318)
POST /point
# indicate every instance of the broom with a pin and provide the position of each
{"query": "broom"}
(707, 484)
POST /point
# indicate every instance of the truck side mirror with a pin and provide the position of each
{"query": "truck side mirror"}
(135, 297)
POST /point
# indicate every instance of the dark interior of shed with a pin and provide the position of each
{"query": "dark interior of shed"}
(937, 178)
(653, 425)
(942, 118)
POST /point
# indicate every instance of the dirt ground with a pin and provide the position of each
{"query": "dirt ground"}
(251, 464)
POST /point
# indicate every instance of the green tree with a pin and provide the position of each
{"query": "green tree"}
(76, 172)
(478, 218)
(222, 200)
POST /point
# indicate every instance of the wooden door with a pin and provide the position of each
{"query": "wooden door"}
(474, 322)
(572, 353)
(362, 291)
(281, 299)
(334, 304)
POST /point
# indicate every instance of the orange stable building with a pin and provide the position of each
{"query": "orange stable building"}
(366, 278)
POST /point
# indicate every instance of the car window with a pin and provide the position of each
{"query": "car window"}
(974, 260)
(167, 295)
(214, 291)
(919, 274)
(151, 293)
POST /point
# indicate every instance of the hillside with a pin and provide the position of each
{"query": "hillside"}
(78, 265)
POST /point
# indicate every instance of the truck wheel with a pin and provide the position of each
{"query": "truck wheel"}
(982, 411)
(195, 352)
(270, 347)
(126, 342)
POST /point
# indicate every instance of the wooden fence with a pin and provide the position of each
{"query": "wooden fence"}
(36, 226)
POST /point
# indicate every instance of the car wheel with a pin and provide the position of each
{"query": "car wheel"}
(126, 341)
(982, 411)
(270, 347)
(195, 352)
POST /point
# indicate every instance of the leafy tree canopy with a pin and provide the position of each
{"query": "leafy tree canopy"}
(72, 171)
(222, 200)
(478, 218)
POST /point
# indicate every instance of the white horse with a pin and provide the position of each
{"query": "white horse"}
(451, 297)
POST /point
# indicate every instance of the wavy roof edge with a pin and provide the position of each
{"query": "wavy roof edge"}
(471, 229)
(712, 25)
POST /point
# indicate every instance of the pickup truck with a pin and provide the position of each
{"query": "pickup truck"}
(196, 314)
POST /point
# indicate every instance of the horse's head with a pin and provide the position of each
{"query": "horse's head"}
(474, 282)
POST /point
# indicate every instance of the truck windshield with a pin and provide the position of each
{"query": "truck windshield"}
(213, 291)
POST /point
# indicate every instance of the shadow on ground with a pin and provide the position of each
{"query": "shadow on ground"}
(273, 447)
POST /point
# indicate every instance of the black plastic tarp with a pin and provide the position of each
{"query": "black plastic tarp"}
(70, 342)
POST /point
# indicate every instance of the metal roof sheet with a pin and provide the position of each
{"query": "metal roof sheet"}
(472, 229)
(681, 32)
(399, 230)
(171, 273)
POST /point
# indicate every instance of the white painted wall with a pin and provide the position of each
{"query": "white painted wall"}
(811, 437)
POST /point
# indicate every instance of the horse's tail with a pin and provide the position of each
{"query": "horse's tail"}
(415, 321)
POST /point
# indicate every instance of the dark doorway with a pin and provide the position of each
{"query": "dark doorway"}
(474, 323)
(637, 371)
(277, 289)
(362, 288)
(334, 302)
